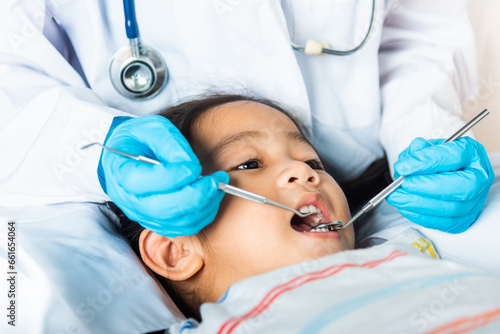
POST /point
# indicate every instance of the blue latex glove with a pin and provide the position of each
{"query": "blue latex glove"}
(446, 183)
(168, 199)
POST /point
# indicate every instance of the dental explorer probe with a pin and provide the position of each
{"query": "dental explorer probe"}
(228, 189)
(395, 184)
(128, 155)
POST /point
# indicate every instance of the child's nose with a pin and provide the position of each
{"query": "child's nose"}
(298, 172)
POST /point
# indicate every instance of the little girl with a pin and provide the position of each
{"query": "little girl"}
(258, 268)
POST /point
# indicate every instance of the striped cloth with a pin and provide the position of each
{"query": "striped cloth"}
(397, 287)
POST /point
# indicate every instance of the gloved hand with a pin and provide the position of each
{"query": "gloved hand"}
(446, 183)
(168, 199)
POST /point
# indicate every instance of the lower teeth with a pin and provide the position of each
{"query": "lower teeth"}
(321, 229)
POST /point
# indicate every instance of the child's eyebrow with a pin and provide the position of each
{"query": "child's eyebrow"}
(294, 136)
(298, 137)
(231, 140)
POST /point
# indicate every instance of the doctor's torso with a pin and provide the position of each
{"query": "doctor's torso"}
(244, 47)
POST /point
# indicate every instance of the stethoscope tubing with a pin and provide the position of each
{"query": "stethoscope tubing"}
(346, 52)
(123, 62)
(131, 27)
(363, 42)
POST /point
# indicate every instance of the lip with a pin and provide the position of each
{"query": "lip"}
(319, 201)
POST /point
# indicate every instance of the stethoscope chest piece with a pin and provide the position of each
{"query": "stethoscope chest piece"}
(138, 72)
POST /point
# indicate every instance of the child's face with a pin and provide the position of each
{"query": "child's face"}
(264, 152)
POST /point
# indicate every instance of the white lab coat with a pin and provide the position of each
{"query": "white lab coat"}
(408, 81)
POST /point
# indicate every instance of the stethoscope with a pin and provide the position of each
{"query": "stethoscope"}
(138, 71)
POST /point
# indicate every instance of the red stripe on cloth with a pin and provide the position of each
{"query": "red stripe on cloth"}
(467, 324)
(296, 282)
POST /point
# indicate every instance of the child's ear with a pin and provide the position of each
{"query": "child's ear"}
(177, 258)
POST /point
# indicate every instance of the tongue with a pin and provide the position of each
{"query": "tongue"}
(301, 227)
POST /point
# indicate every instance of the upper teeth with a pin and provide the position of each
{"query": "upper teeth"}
(309, 209)
(318, 218)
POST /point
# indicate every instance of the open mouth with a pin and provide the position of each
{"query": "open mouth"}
(305, 224)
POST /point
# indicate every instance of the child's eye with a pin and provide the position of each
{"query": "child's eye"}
(252, 164)
(315, 164)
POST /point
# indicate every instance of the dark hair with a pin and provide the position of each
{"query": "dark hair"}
(184, 116)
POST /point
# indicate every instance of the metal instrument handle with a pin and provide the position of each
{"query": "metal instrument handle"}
(242, 193)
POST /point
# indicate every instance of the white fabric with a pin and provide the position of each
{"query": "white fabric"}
(476, 247)
(49, 108)
(390, 288)
(74, 275)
